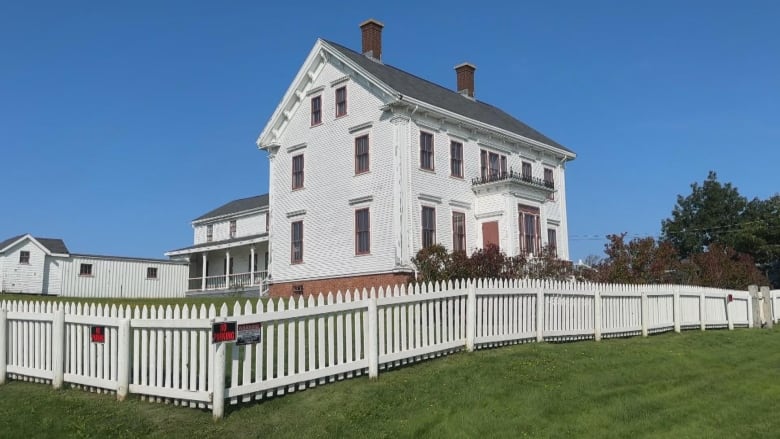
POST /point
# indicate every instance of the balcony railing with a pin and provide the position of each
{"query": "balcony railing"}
(222, 282)
(513, 176)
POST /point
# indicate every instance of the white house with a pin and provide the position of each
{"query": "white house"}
(45, 266)
(230, 250)
(369, 163)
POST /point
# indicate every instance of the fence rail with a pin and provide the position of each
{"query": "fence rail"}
(166, 353)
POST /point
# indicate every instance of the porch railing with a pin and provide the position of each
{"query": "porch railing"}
(221, 282)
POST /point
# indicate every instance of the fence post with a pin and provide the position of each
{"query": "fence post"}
(597, 314)
(373, 331)
(3, 345)
(766, 305)
(728, 313)
(218, 383)
(676, 308)
(471, 316)
(753, 307)
(123, 362)
(645, 313)
(58, 347)
(702, 311)
(540, 315)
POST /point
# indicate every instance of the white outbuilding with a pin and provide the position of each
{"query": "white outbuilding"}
(45, 266)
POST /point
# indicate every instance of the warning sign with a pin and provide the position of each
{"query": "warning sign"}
(223, 332)
(97, 334)
(249, 333)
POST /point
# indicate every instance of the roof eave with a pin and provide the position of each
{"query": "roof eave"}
(209, 219)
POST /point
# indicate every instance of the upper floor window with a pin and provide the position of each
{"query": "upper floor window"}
(492, 165)
(24, 257)
(316, 110)
(530, 229)
(341, 101)
(526, 170)
(362, 232)
(552, 240)
(297, 171)
(361, 154)
(456, 159)
(458, 231)
(428, 226)
(296, 242)
(151, 272)
(549, 182)
(426, 151)
(232, 228)
(85, 270)
(209, 233)
(267, 219)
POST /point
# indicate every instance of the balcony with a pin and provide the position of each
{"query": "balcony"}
(524, 184)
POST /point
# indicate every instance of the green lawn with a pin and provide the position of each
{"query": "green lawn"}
(698, 385)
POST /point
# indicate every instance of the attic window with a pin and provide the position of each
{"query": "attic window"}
(341, 101)
(24, 257)
(316, 110)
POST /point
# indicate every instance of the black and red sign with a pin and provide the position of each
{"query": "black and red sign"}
(249, 333)
(97, 334)
(223, 332)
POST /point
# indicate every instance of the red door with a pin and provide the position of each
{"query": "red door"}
(490, 234)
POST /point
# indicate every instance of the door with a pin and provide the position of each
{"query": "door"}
(490, 234)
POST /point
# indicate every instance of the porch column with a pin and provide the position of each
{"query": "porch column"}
(227, 268)
(203, 277)
(252, 265)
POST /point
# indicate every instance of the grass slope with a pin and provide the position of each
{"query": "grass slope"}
(713, 384)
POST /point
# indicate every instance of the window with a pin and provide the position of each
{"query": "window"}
(225, 268)
(426, 151)
(297, 172)
(296, 242)
(492, 165)
(297, 289)
(428, 226)
(458, 231)
(552, 241)
(362, 232)
(24, 257)
(529, 229)
(266, 261)
(151, 272)
(209, 233)
(316, 110)
(361, 154)
(341, 101)
(456, 159)
(267, 220)
(549, 182)
(85, 270)
(232, 228)
(526, 171)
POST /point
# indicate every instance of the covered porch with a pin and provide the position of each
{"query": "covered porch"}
(233, 265)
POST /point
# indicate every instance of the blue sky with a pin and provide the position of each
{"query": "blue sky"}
(120, 123)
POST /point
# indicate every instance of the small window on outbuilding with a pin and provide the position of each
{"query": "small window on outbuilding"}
(151, 272)
(297, 289)
(85, 270)
(24, 257)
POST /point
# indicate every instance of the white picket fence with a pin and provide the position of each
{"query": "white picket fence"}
(165, 353)
(774, 297)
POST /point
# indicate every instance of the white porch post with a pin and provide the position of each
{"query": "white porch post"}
(252, 265)
(203, 272)
(227, 268)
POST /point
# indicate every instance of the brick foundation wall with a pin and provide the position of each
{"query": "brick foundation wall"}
(342, 284)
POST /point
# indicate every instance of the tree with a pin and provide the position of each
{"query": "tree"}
(641, 260)
(724, 267)
(713, 212)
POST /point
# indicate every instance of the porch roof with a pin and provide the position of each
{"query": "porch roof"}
(218, 245)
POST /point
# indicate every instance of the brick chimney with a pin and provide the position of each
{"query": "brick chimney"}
(465, 75)
(372, 38)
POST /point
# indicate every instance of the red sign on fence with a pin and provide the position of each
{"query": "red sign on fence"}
(223, 332)
(97, 334)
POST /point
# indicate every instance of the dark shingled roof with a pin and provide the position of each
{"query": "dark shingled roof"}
(52, 244)
(237, 206)
(426, 91)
